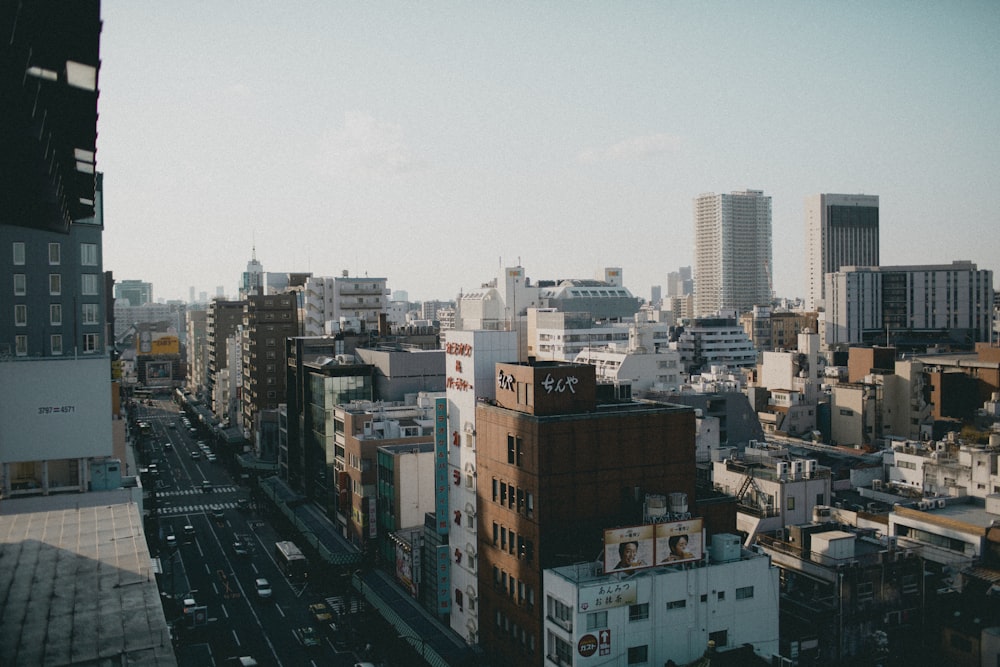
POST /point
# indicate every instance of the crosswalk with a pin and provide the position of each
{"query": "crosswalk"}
(192, 509)
(189, 492)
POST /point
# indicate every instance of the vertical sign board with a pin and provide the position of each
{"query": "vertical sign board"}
(443, 579)
(443, 559)
(441, 464)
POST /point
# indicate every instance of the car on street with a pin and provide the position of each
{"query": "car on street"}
(307, 636)
(218, 514)
(263, 587)
(171, 540)
(243, 504)
(188, 530)
(171, 425)
(206, 486)
(241, 548)
(195, 455)
(211, 458)
(168, 446)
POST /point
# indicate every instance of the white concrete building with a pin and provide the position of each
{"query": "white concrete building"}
(864, 303)
(470, 366)
(732, 248)
(841, 230)
(667, 613)
(335, 303)
(772, 489)
(721, 341)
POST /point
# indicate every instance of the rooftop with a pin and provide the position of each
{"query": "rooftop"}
(79, 585)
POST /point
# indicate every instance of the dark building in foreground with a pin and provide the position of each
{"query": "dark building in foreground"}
(556, 467)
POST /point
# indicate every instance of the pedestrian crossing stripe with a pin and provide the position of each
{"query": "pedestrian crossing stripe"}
(189, 492)
(193, 509)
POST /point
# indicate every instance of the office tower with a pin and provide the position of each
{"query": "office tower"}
(655, 295)
(191, 294)
(841, 230)
(914, 307)
(732, 268)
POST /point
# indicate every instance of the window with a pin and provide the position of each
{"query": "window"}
(790, 504)
(458, 598)
(560, 613)
(18, 253)
(510, 448)
(744, 593)
(560, 651)
(90, 342)
(55, 253)
(866, 592)
(638, 612)
(503, 493)
(597, 620)
(720, 637)
(20, 315)
(676, 604)
(503, 539)
(496, 533)
(20, 284)
(55, 284)
(20, 345)
(88, 254)
(88, 284)
(722, 595)
(89, 313)
(55, 342)
(638, 655)
(55, 314)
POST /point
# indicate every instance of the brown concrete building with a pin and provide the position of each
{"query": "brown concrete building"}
(267, 322)
(557, 466)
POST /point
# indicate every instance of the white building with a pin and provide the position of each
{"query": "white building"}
(470, 367)
(668, 613)
(841, 230)
(772, 489)
(343, 302)
(708, 342)
(864, 303)
(732, 247)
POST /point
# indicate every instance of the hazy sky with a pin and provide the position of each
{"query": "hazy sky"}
(429, 142)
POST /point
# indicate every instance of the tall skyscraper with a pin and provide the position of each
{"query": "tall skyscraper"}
(732, 251)
(841, 230)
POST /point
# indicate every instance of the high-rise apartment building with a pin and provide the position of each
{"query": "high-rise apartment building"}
(732, 247)
(841, 230)
(223, 320)
(267, 321)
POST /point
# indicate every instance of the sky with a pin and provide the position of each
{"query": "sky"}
(432, 143)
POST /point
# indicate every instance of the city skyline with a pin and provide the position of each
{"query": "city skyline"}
(563, 138)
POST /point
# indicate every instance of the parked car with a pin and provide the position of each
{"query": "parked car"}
(263, 588)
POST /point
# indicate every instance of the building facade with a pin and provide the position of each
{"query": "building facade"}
(732, 247)
(841, 230)
(556, 468)
(267, 321)
(913, 306)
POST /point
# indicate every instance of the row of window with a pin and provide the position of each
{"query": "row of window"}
(88, 284)
(88, 314)
(88, 253)
(91, 344)
(513, 498)
(516, 633)
(512, 543)
(521, 593)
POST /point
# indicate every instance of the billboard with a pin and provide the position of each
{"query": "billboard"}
(679, 542)
(158, 372)
(55, 408)
(637, 547)
(629, 548)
